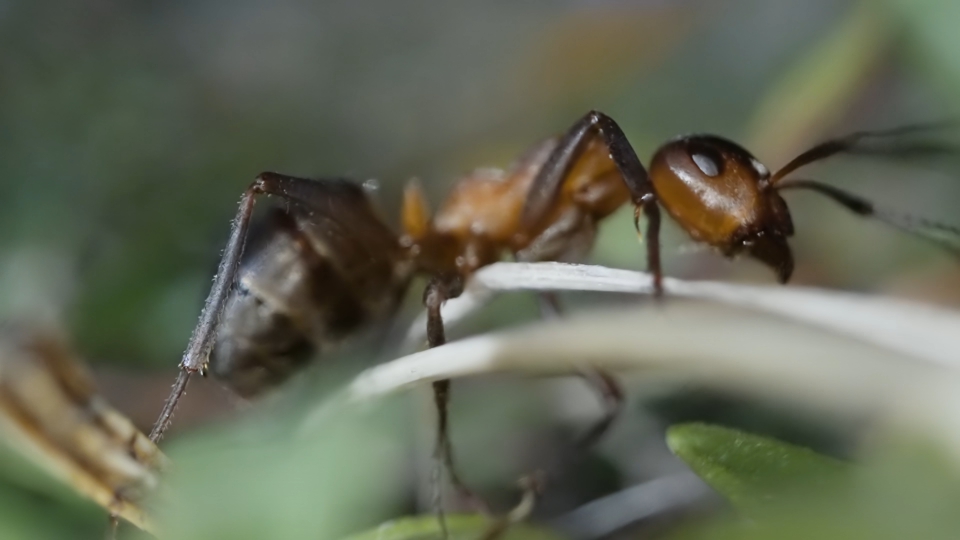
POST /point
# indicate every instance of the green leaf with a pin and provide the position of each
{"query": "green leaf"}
(257, 479)
(909, 490)
(459, 527)
(751, 471)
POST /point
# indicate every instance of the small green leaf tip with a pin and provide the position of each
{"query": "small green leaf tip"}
(751, 471)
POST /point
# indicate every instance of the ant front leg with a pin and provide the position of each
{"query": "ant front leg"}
(549, 181)
(652, 212)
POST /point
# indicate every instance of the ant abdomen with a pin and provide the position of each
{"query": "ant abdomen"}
(295, 296)
(257, 348)
(263, 336)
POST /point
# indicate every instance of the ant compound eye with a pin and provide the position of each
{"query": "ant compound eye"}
(706, 164)
(706, 156)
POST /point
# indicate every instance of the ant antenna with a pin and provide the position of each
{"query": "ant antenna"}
(943, 235)
(886, 143)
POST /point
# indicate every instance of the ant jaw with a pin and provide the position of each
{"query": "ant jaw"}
(772, 250)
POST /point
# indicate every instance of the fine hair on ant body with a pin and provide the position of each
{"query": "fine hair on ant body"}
(325, 265)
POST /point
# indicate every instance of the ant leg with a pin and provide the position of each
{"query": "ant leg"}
(602, 382)
(201, 341)
(652, 211)
(549, 181)
(441, 397)
(549, 304)
(439, 290)
(339, 195)
(609, 389)
(945, 236)
(641, 189)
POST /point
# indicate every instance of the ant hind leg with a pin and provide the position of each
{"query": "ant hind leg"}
(336, 195)
(605, 385)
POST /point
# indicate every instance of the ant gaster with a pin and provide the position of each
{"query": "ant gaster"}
(326, 264)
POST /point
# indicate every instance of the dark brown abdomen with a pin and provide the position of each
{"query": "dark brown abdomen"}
(306, 283)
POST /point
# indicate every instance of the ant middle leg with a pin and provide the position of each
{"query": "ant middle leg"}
(439, 290)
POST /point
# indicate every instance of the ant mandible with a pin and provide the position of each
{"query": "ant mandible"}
(325, 264)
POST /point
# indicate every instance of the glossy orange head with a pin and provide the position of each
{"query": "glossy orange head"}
(721, 195)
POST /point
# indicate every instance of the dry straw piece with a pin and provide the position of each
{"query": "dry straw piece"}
(50, 412)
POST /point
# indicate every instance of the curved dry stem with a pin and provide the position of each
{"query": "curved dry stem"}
(916, 329)
(830, 353)
(51, 413)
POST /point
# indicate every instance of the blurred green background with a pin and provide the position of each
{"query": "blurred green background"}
(129, 129)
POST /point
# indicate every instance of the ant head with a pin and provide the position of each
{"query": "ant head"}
(720, 194)
(708, 159)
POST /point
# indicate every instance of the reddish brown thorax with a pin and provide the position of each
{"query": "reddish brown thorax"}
(480, 220)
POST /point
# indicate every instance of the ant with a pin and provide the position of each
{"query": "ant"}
(324, 264)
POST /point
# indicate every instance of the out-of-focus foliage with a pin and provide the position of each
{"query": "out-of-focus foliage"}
(820, 85)
(784, 491)
(34, 505)
(259, 481)
(459, 527)
(933, 38)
